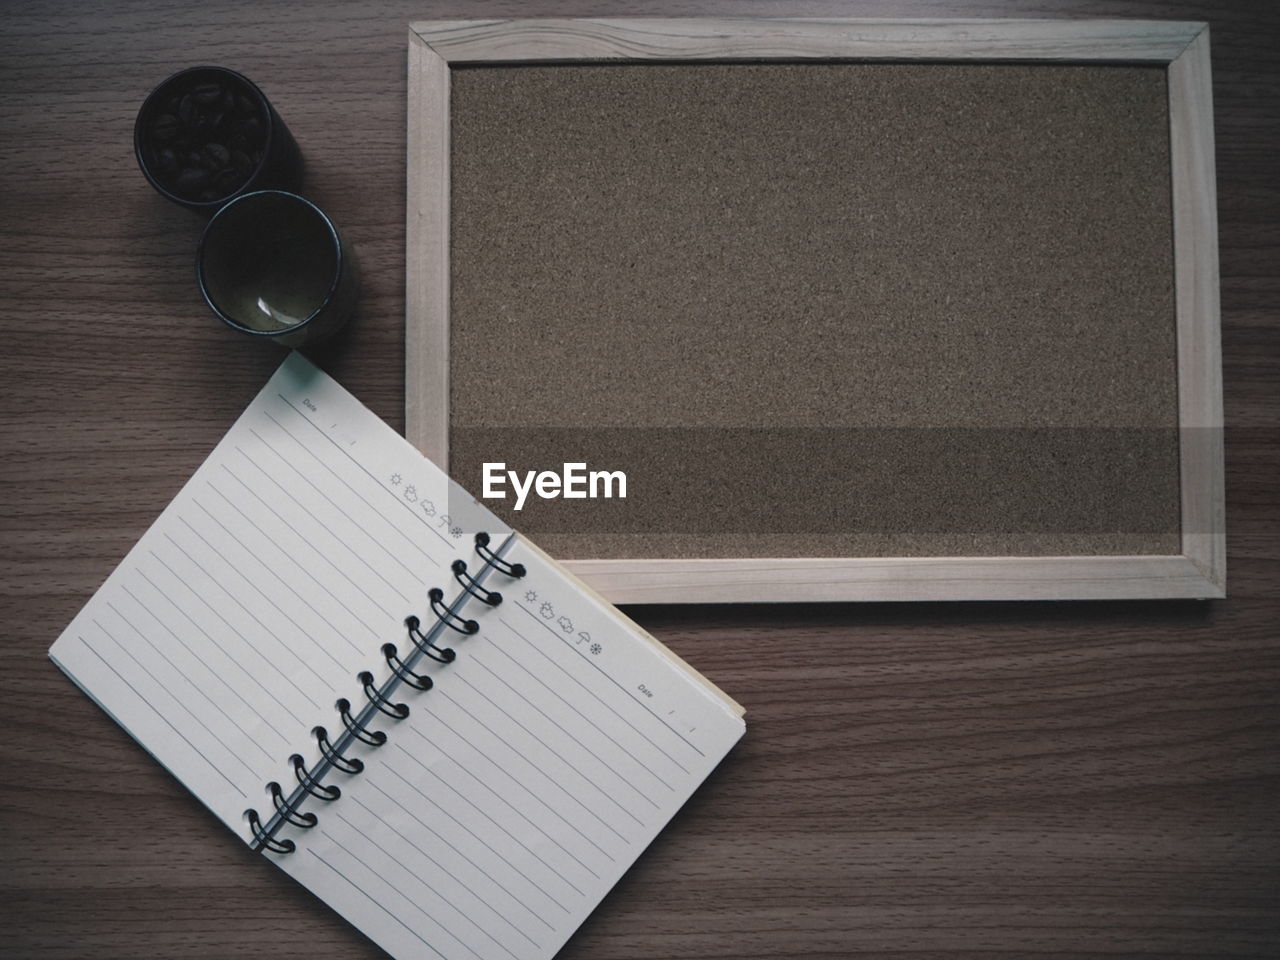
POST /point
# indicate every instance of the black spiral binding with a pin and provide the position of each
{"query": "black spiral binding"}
(495, 560)
(418, 681)
(425, 646)
(283, 808)
(355, 726)
(489, 597)
(327, 750)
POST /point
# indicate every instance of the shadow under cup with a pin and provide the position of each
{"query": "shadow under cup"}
(271, 264)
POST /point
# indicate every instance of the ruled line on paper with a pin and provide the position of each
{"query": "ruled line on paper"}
(414, 513)
(604, 733)
(542, 773)
(417, 876)
(487, 901)
(559, 756)
(292, 620)
(289, 556)
(395, 558)
(267, 724)
(474, 657)
(315, 552)
(261, 656)
(604, 673)
(313, 517)
(279, 579)
(191, 683)
(356, 493)
(438, 919)
(507, 803)
(252, 616)
(605, 703)
(469, 804)
(374, 900)
(213, 766)
(213, 734)
(247, 672)
(430, 916)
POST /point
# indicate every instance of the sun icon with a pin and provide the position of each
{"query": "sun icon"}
(531, 596)
(395, 479)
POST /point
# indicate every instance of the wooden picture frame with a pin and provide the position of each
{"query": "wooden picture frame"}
(1198, 571)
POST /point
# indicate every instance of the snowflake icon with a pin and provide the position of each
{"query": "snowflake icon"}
(395, 479)
(595, 649)
(455, 532)
(531, 596)
(548, 612)
(565, 624)
(411, 493)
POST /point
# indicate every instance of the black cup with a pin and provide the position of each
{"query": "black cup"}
(271, 264)
(208, 134)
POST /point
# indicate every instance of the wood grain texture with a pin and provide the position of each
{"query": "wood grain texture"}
(931, 780)
(889, 579)
(500, 41)
(427, 231)
(1195, 250)
(624, 579)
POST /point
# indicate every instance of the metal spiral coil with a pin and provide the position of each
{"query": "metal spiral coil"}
(469, 583)
(419, 681)
(491, 559)
(356, 725)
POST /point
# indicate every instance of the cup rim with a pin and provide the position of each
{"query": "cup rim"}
(148, 106)
(329, 294)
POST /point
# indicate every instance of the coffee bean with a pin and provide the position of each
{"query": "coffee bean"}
(227, 180)
(207, 93)
(192, 180)
(164, 127)
(217, 156)
(167, 161)
(207, 137)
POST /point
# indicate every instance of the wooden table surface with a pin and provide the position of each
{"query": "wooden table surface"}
(1084, 779)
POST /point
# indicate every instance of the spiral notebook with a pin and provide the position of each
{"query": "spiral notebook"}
(401, 702)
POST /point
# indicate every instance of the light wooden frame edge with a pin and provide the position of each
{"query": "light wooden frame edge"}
(1198, 572)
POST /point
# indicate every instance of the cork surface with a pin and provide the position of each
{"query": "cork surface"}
(929, 307)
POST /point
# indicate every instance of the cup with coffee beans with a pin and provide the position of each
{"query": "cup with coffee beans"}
(208, 134)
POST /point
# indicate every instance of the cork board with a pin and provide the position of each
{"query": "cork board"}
(876, 310)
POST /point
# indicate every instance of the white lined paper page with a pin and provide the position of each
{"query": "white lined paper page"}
(272, 578)
(548, 755)
(521, 787)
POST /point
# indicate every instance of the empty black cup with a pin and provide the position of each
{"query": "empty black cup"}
(272, 265)
(208, 134)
